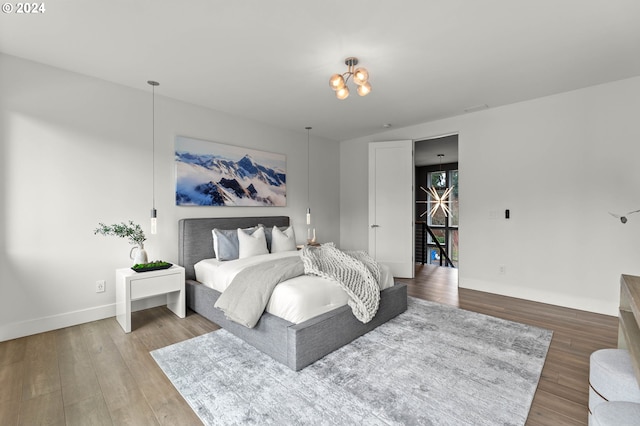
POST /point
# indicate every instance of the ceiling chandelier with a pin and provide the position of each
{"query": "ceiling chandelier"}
(338, 82)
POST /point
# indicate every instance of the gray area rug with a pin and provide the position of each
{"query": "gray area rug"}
(432, 365)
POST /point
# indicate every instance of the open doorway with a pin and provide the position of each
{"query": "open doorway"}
(436, 179)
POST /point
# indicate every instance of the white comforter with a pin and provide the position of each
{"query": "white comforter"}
(295, 300)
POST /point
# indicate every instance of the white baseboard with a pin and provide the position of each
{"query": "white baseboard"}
(68, 319)
(535, 295)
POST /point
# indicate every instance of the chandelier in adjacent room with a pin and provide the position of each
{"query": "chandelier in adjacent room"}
(438, 201)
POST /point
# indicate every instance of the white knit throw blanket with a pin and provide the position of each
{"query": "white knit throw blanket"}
(356, 272)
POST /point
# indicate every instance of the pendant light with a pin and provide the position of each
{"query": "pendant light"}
(154, 213)
(311, 232)
(308, 178)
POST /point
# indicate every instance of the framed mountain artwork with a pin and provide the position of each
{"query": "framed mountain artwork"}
(215, 174)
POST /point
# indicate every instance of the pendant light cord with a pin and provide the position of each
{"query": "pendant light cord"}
(153, 149)
(308, 169)
(153, 142)
(308, 177)
(154, 213)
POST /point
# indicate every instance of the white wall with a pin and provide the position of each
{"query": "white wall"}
(77, 151)
(560, 164)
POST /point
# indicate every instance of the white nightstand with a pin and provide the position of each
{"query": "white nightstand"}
(132, 285)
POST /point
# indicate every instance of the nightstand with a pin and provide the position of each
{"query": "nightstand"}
(131, 285)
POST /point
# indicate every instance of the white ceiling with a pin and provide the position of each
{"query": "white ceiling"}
(270, 60)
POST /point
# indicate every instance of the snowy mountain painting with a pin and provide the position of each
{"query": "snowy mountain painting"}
(214, 174)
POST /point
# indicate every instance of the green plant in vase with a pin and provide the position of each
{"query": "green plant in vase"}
(132, 231)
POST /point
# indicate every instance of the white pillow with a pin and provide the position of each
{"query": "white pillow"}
(252, 244)
(283, 240)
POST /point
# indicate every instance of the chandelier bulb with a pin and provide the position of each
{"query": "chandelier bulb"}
(342, 93)
(360, 76)
(364, 89)
(336, 82)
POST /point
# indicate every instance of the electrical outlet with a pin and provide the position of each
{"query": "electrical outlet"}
(502, 269)
(101, 286)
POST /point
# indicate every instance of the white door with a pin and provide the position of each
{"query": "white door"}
(391, 206)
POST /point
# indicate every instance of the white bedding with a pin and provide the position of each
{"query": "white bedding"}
(295, 300)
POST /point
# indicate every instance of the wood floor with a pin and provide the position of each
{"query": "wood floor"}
(94, 374)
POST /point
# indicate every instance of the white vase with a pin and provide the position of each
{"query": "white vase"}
(138, 254)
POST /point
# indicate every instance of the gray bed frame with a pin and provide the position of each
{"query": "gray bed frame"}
(295, 345)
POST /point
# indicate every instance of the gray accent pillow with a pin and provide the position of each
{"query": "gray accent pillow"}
(225, 243)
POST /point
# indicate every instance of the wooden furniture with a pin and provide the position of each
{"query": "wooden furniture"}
(629, 329)
(295, 345)
(131, 285)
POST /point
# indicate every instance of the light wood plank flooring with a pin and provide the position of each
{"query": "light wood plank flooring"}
(94, 374)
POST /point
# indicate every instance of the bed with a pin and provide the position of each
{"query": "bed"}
(294, 345)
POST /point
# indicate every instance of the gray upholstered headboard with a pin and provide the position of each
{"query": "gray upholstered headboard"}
(196, 241)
